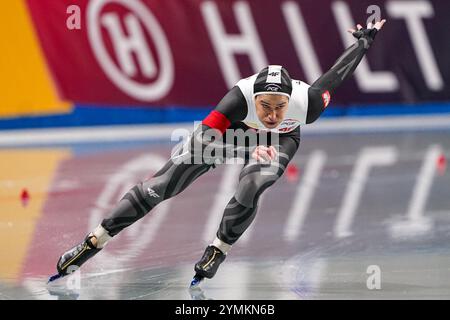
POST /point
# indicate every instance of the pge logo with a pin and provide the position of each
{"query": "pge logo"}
(139, 24)
(272, 87)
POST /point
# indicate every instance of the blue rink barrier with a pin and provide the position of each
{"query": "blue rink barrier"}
(91, 115)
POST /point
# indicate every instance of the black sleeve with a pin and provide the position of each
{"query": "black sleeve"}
(293, 135)
(233, 105)
(340, 71)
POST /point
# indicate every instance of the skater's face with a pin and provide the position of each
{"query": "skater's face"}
(271, 109)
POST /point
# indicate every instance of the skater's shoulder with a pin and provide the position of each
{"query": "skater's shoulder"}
(299, 85)
(299, 95)
(246, 84)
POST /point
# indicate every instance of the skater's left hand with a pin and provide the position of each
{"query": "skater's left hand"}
(263, 153)
(369, 32)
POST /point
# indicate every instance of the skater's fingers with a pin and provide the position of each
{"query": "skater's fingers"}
(259, 149)
(264, 155)
(380, 24)
(351, 30)
(257, 157)
(263, 152)
(257, 154)
(359, 26)
(272, 152)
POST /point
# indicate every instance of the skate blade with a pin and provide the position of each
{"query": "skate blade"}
(54, 278)
(196, 281)
(197, 293)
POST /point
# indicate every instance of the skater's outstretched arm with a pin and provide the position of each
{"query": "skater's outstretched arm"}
(320, 92)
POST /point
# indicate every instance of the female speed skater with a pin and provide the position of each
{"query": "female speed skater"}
(269, 101)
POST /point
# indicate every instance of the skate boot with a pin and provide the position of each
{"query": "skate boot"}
(71, 260)
(208, 265)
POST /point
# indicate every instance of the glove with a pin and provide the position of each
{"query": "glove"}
(369, 32)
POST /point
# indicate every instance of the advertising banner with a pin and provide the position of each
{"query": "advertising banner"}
(190, 52)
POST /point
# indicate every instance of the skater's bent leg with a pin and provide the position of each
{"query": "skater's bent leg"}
(241, 210)
(235, 220)
(172, 179)
(178, 173)
(254, 179)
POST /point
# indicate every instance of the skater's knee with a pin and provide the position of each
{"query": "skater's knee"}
(134, 205)
(251, 186)
(172, 181)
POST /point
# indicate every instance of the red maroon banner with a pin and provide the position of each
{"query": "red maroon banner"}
(189, 52)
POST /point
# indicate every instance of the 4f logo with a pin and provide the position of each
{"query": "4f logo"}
(274, 74)
(152, 193)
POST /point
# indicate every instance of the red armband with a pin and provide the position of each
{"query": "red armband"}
(217, 120)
